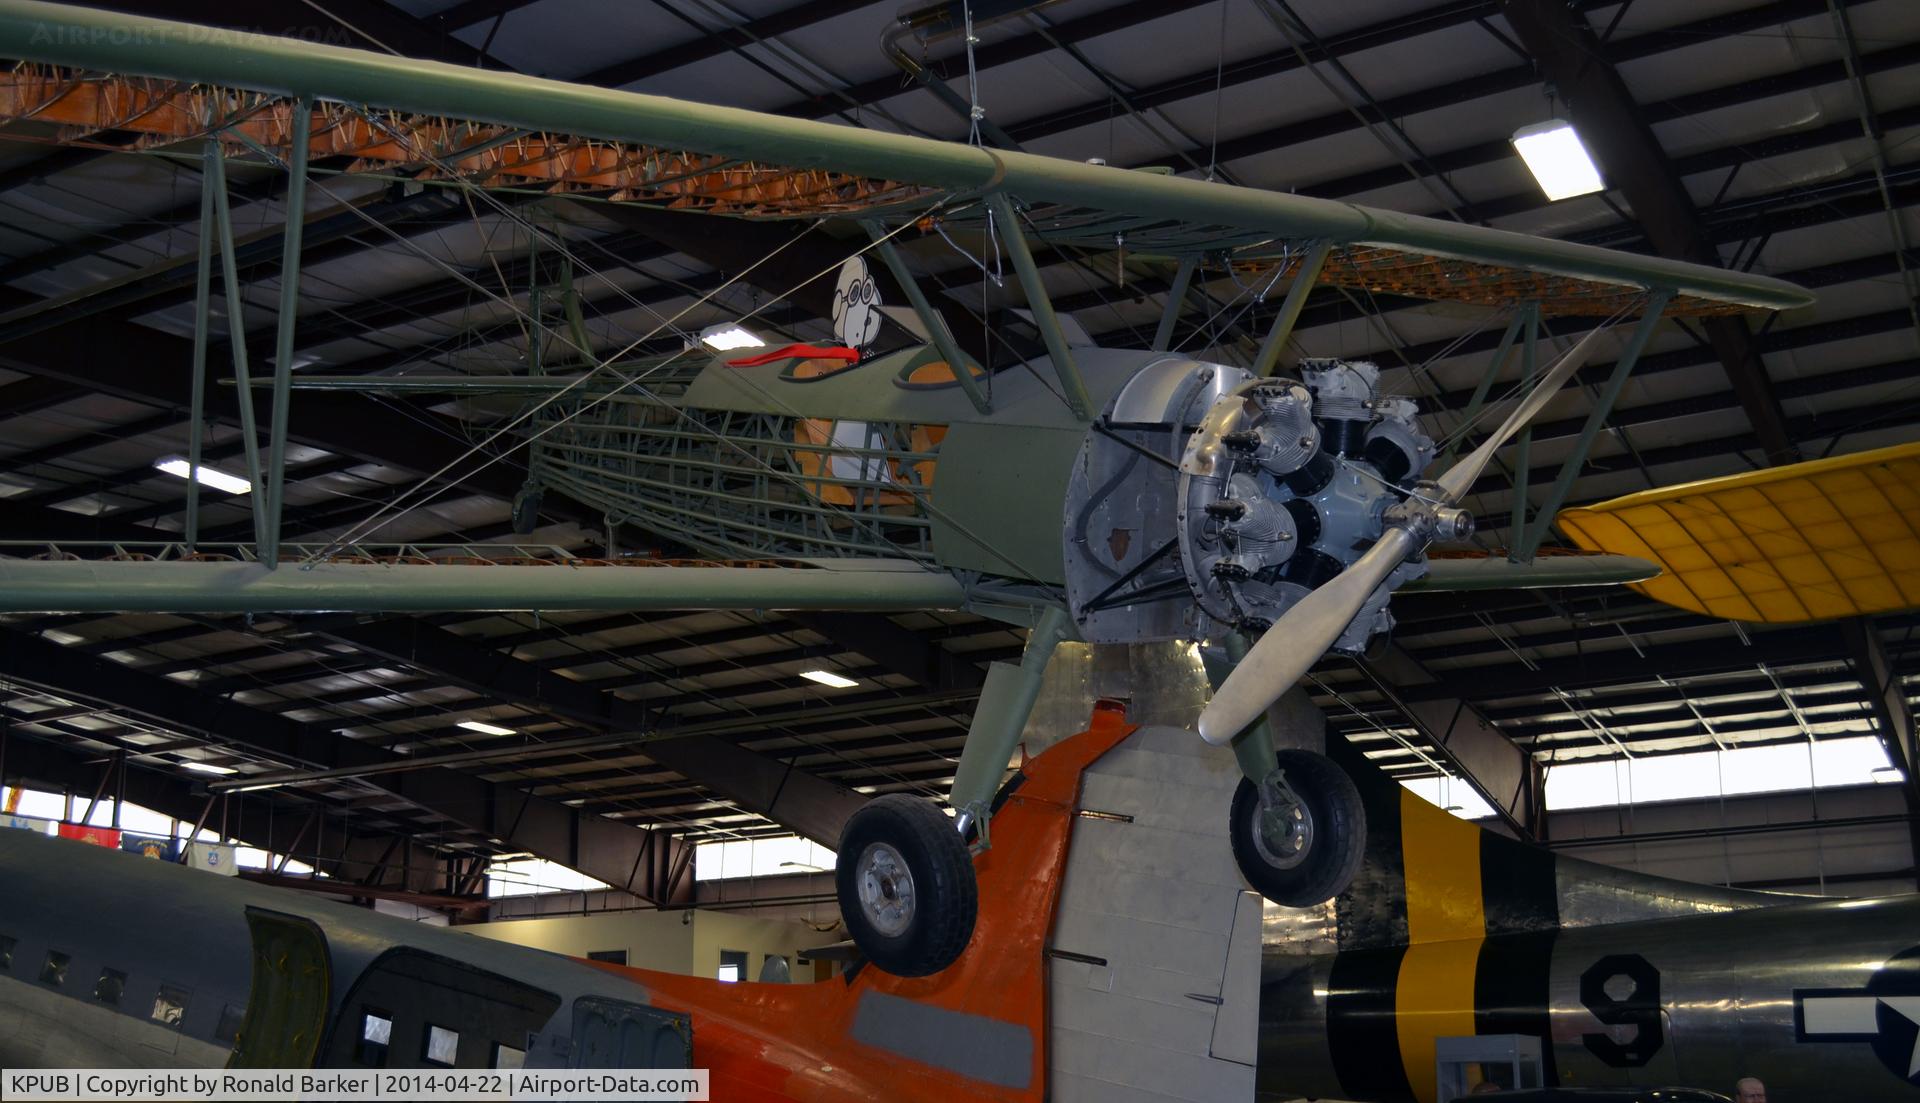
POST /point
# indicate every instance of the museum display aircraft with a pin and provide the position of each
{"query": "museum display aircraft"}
(1118, 956)
(1800, 542)
(1117, 496)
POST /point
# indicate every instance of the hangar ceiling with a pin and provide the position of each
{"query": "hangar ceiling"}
(1775, 136)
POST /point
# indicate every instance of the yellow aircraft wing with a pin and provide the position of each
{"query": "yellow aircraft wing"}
(1808, 541)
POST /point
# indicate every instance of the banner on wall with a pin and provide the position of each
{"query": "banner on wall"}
(26, 823)
(212, 857)
(149, 846)
(108, 837)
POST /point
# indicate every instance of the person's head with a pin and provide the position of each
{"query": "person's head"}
(1750, 1090)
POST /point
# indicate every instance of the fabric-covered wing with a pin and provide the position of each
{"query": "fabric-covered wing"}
(170, 82)
(1808, 541)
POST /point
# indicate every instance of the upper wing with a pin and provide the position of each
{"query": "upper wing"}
(507, 128)
(1807, 541)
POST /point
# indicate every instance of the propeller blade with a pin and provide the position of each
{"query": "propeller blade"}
(1455, 483)
(1295, 642)
(1291, 647)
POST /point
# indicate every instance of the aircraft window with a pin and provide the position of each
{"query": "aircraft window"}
(615, 957)
(733, 964)
(111, 985)
(376, 1033)
(442, 1045)
(507, 1057)
(229, 1029)
(169, 1005)
(6, 952)
(54, 972)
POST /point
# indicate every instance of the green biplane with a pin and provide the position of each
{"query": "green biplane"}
(1104, 494)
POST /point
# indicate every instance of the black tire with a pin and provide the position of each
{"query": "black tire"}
(526, 509)
(930, 931)
(1338, 843)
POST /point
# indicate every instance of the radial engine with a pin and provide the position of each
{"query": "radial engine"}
(1211, 500)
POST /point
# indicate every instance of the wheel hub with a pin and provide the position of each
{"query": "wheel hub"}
(886, 889)
(1283, 825)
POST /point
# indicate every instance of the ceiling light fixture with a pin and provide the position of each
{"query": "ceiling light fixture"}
(262, 787)
(209, 768)
(485, 728)
(727, 336)
(829, 678)
(218, 480)
(1558, 159)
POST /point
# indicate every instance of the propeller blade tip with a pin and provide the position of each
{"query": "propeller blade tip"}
(1211, 732)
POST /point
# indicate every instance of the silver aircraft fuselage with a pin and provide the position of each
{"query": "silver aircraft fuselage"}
(113, 961)
(1821, 1000)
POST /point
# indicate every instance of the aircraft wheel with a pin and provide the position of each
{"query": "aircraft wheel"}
(905, 881)
(1299, 837)
(526, 509)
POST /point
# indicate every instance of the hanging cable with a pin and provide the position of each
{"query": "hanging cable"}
(975, 113)
(995, 274)
(1219, 92)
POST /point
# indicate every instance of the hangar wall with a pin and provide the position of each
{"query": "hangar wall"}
(1832, 842)
(681, 941)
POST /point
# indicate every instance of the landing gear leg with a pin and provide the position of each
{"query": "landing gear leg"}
(1298, 829)
(1253, 748)
(904, 875)
(905, 883)
(1300, 834)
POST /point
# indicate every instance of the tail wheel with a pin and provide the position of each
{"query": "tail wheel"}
(1300, 835)
(526, 509)
(905, 881)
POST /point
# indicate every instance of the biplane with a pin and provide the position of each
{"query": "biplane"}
(1109, 495)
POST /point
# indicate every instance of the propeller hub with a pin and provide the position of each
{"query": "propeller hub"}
(1452, 525)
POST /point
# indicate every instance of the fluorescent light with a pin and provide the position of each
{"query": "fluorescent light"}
(219, 480)
(258, 788)
(209, 768)
(1558, 159)
(729, 335)
(828, 678)
(485, 728)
